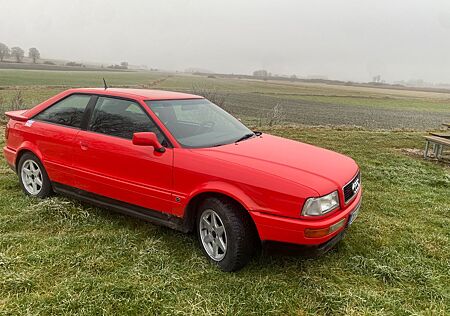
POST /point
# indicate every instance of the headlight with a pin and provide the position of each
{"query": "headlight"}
(321, 205)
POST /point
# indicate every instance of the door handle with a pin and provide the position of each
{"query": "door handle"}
(83, 145)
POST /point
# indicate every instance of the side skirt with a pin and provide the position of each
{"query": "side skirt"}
(149, 215)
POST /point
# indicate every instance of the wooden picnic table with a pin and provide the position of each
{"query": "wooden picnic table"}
(438, 144)
(444, 135)
(439, 140)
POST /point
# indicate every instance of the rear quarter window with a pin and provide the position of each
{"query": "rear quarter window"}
(68, 112)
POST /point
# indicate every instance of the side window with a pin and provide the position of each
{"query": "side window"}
(121, 118)
(67, 112)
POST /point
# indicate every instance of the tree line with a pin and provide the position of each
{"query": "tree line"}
(18, 53)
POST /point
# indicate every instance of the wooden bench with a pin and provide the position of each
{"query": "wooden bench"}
(438, 145)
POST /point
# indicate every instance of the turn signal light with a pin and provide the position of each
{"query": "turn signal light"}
(316, 233)
(321, 232)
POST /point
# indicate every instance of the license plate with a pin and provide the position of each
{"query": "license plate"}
(353, 216)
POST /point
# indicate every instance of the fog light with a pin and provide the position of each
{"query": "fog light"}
(321, 232)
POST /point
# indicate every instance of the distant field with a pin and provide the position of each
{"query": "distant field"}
(31, 66)
(9, 77)
(251, 100)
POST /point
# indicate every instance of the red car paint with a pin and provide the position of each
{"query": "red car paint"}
(271, 177)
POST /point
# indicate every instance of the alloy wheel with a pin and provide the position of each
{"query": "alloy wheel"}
(32, 177)
(213, 235)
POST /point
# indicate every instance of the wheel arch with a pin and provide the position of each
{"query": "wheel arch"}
(191, 209)
(26, 147)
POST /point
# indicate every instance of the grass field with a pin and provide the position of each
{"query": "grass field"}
(58, 256)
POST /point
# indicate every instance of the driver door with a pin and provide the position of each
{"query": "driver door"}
(108, 164)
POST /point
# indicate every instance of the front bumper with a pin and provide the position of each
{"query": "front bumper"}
(291, 230)
(326, 246)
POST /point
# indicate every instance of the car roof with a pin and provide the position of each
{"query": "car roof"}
(144, 94)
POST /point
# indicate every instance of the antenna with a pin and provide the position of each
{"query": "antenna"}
(104, 83)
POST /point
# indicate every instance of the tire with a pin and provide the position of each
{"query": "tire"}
(33, 177)
(226, 233)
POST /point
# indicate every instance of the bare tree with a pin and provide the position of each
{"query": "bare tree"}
(17, 53)
(211, 94)
(2, 104)
(17, 101)
(34, 54)
(4, 51)
(276, 116)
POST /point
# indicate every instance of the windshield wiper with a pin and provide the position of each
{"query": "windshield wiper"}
(246, 136)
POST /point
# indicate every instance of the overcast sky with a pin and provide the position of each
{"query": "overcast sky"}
(341, 39)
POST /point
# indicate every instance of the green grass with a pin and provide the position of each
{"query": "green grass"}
(384, 102)
(58, 256)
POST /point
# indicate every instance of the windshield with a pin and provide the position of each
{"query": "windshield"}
(198, 123)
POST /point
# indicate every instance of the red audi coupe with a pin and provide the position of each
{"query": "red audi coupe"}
(179, 160)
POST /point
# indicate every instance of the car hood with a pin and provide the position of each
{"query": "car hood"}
(319, 169)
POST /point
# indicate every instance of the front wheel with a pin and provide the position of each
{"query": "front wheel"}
(32, 176)
(225, 233)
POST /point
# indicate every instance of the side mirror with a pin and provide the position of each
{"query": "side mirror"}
(148, 139)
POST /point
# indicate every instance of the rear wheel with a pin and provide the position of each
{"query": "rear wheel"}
(32, 176)
(225, 233)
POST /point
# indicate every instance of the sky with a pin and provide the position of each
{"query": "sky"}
(340, 39)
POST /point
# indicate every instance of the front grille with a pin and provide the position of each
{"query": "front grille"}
(350, 189)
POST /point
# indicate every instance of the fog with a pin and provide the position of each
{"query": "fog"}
(346, 40)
